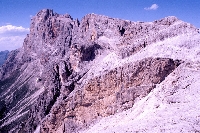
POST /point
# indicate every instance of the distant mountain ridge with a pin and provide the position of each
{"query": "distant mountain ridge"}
(71, 76)
(3, 56)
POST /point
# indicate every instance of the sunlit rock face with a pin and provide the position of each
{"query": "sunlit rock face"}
(70, 74)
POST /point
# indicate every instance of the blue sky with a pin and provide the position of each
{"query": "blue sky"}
(16, 13)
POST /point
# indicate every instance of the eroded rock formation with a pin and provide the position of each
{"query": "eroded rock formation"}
(51, 84)
(105, 95)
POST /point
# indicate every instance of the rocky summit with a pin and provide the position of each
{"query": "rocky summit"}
(102, 74)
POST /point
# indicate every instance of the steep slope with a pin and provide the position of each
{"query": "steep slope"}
(171, 107)
(107, 94)
(69, 74)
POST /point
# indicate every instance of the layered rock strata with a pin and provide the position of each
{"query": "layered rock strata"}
(105, 95)
(48, 84)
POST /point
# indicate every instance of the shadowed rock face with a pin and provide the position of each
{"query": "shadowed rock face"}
(46, 83)
(3, 56)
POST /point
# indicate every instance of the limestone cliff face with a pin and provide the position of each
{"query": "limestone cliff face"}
(105, 95)
(48, 84)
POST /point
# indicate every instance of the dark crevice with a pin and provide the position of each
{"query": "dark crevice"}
(55, 90)
(172, 65)
(88, 53)
(70, 42)
(78, 23)
(121, 30)
(3, 110)
(67, 70)
(87, 104)
(71, 87)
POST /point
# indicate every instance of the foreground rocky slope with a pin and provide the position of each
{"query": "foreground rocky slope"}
(171, 107)
(69, 74)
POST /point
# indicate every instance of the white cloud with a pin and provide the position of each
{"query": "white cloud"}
(152, 7)
(10, 29)
(12, 37)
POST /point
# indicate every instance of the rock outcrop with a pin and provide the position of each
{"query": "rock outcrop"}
(62, 79)
(105, 95)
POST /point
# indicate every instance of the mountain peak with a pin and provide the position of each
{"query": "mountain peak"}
(70, 74)
(45, 13)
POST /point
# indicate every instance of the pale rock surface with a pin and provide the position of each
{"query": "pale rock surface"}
(171, 107)
(71, 74)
